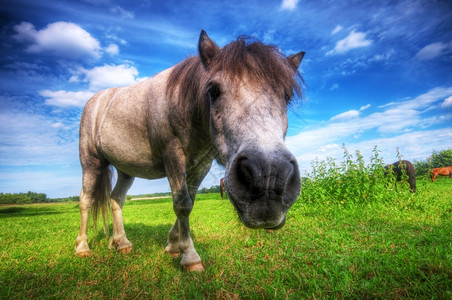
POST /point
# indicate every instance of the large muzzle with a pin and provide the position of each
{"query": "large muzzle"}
(263, 186)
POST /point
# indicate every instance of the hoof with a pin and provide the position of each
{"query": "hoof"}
(125, 250)
(83, 254)
(196, 267)
(173, 254)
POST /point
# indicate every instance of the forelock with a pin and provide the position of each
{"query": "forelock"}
(249, 59)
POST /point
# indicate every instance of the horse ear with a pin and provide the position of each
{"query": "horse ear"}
(295, 59)
(207, 49)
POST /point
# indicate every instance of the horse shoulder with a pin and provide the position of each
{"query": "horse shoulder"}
(132, 127)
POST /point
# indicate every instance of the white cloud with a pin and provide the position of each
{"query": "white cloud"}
(447, 102)
(107, 76)
(98, 78)
(432, 51)
(289, 4)
(352, 41)
(66, 99)
(112, 49)
(337, 29)
(63, 39)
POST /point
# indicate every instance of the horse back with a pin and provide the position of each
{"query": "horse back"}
(443, 171)
(125, 127)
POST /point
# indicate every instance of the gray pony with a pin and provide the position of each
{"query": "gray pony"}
(228, 104)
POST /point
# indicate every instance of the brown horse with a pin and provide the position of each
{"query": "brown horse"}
(222, 187)
(404, 167)
(228, 104)
(446, 171)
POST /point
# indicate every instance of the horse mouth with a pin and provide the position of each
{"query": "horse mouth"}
(254, 216)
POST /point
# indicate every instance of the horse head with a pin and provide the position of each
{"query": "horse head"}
(249, 86)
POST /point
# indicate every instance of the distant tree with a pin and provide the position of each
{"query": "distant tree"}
(212, 189)
(15, 198)
(37, 197)
(442, 158)
(422, 167)
(23, 198)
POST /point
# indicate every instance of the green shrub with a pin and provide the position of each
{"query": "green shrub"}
(352, 182)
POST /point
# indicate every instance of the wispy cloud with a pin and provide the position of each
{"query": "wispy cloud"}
(334, 86)
(352, 41)
(433, 50)
(32, 139)
(393, 122)
(337, 29)
(351, 114)
(124, 13)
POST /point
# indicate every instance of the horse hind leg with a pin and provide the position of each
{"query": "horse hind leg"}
(173, 241)
(119, 239)
(81, 242)
(95, 184)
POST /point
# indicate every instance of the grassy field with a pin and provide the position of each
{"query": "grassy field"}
(400, 249)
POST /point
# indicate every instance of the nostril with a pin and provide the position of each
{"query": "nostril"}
(247, 172)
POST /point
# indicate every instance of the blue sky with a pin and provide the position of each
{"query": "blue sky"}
(376, 73)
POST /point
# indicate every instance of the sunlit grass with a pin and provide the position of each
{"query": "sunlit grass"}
(397, 248)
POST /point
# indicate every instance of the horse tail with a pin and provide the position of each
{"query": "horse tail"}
(102, 198)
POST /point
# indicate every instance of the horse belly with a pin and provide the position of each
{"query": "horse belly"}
(133, 155)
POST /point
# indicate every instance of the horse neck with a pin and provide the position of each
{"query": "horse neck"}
(189, 119)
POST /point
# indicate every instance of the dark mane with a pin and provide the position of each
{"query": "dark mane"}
(263, 64)
(245, 58)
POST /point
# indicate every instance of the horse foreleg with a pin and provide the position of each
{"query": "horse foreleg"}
(119, 239)
(179, 240)
(434, 177)
(190, 259)
(184, 187)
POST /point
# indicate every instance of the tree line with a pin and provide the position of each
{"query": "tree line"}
(31, 198)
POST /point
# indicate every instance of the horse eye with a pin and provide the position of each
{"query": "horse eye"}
(288, 97)
(214, 92)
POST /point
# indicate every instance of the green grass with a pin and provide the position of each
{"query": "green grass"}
(390, 250)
